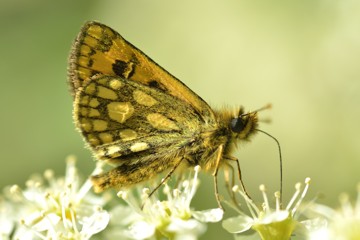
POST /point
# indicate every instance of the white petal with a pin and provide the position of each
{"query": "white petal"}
(238, 224)
(186, 229)
(124, 215)
(47, 223)
(23, 233)
(315, 223)
(211, 215)
(6, 227)
(190, 226)
(277, 216)
(322, 233)
(95, 223)
(141, 230)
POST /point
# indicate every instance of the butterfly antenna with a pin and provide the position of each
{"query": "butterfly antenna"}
(267, 106)
(280, 157)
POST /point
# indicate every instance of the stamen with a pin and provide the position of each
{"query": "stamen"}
(294, 197)
(98, 168)
(70, 170)
(85, 188)
(73, 221)
(176, 193)
(51, 200)
(307, 184)
(277, 197)
(49, 174)
(166, 189)
(41, 236)
(193, 187)
(346, 205)
(249, 202)
(63, 210)
(145, 192)
(266, 201)
(122, 194)
(16, 190)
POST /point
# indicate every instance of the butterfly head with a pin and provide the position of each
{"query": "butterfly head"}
(244, 124)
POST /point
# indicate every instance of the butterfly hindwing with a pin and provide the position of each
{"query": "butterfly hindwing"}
(118, 117)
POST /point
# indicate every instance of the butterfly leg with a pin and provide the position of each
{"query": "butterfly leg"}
(218, 159)
(239, 173)
(229, 183)
(166, 177)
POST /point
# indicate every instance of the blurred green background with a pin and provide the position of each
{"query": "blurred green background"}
(301, 56)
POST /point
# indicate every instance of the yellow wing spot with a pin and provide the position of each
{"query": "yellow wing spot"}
(95, 30)
(84, 111)
(100, 153)
(115, 84)
(94, 102)
(84, 100)
(90, 89)
(99, 125)
(138, 147)
(83, 61)
(143, 98)
(127, 134)
(85, 50)
(106, 93)
(102, 81)
(105, 137)
(84, 73)
(85, 125)
(94, 112)
(120, 111)
(113, 151)
(161, 122)
(92, 139)
(90, 41)
(108, 32)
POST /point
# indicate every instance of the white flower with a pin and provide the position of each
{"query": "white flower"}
(150, 218)
(56, 208)
(346, 223)
(269, 223)
(7, 220)
(343, 224)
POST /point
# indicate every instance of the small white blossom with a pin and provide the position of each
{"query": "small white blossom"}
(55, 208)
(7, 220)
(150, 218)
(269, 223)
(342, 224)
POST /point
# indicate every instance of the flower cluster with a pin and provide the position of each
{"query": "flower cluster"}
(341, 224)
(297, 220)
(63, 208)
(268, 223)
(151, 218)
(52, 207)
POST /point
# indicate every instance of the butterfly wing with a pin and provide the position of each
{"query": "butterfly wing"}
(100, 49)
(111, 110)
(133, 126)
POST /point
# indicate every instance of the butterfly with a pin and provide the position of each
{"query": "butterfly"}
(140, 119)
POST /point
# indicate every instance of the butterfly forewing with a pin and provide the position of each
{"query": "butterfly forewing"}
(99, 49)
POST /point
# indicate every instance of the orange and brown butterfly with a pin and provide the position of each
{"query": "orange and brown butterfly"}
(139, 118)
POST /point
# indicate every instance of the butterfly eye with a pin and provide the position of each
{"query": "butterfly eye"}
(237, 124)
